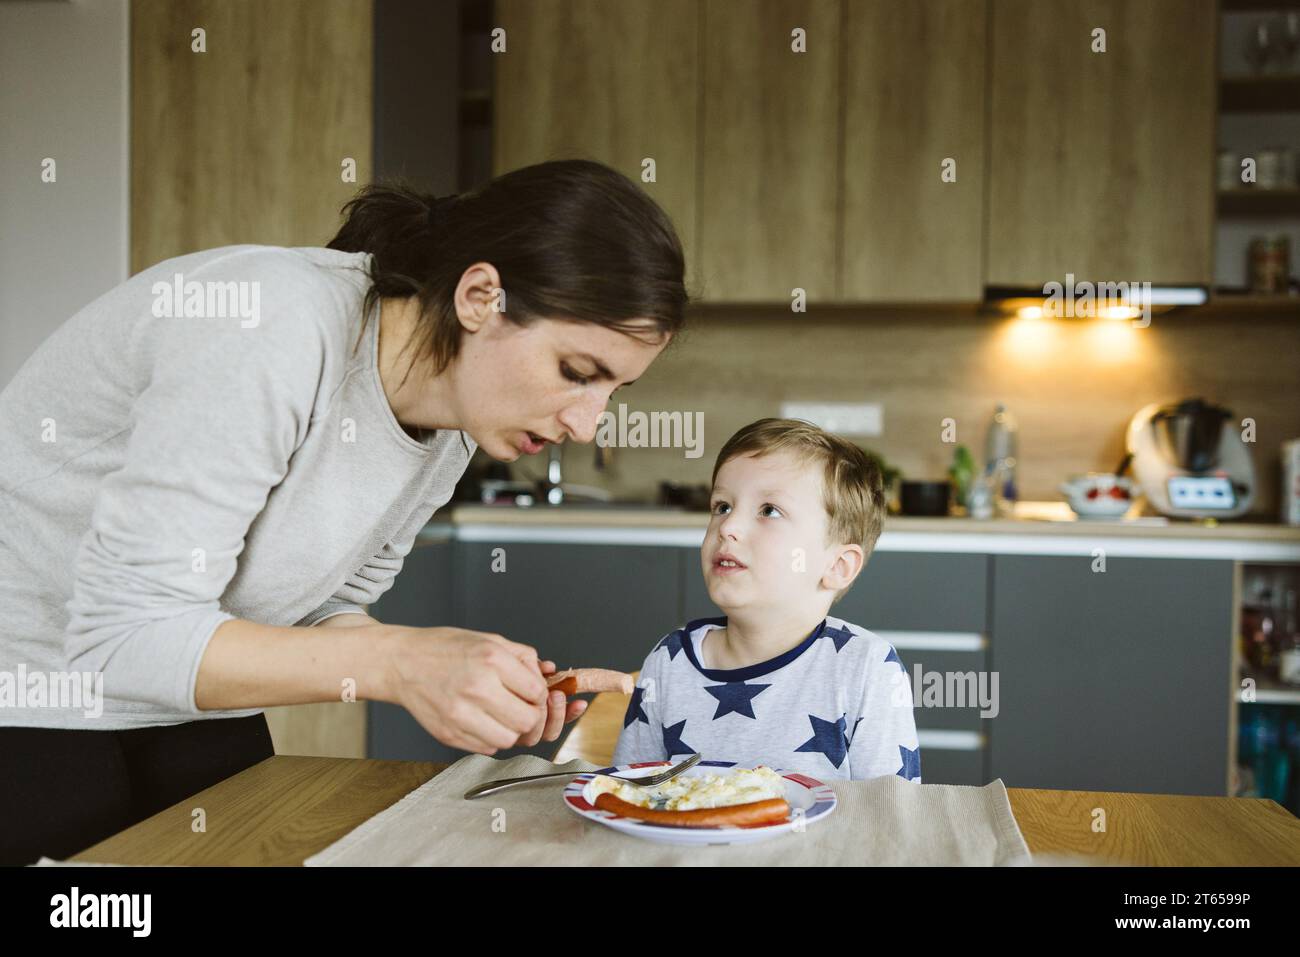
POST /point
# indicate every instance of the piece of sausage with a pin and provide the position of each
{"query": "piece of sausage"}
(583, 680)
(753, 814)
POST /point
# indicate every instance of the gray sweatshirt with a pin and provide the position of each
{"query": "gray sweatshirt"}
(201, 443)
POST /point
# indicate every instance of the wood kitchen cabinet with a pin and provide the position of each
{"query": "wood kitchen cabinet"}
(823, 170)
(744, 131)
(613, 82)
(1114, 680)
(769, 133)
(245, 143)
(1101, 164)
(914, 110)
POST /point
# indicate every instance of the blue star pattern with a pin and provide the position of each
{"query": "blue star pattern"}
(736, 698)
(827, 739)
(839, 635)
(673, 643)
(673, 742)
(911, 758)
(634, 710)
(825, 709)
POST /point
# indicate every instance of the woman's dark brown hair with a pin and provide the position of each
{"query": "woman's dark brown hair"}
(571, 239)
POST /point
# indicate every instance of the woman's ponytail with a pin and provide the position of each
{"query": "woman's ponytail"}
(569, 238)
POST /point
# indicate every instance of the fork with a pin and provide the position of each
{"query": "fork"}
(649, 781)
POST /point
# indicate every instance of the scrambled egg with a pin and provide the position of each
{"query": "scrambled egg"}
(688, 793)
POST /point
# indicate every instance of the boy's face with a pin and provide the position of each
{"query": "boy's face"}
(768, 515)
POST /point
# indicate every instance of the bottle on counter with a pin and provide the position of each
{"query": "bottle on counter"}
(1000, 447)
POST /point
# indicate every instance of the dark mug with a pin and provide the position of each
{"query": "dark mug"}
(925, 498)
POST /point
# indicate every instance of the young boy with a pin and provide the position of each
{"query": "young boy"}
(796, 512)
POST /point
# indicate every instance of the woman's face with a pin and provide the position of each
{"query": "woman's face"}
(551, 379)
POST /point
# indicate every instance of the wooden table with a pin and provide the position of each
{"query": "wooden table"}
(286, 809)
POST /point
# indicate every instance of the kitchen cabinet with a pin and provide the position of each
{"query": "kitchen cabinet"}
(933, 608)
(422, 596)
(1114, 680)
(244, 143)
(578, 605)
(824, 170)
(1101, 164)
(613, 82)
(769, 129)
(913, 163)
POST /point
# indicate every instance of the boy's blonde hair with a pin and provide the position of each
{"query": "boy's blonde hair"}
(853, 489)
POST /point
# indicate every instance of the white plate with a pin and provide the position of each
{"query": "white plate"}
(810, 801)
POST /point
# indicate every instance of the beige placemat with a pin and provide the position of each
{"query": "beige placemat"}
(882, 821)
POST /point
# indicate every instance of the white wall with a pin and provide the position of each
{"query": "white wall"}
(64, 93)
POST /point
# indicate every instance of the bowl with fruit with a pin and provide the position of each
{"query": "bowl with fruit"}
(1100, 494)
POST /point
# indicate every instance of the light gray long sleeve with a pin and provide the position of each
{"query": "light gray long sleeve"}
(163, 474)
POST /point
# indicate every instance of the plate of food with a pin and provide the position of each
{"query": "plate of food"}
(713, 802)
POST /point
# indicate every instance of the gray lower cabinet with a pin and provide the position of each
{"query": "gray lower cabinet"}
(422, 596)
(1115, 680)
(578, 605)
(933, 608)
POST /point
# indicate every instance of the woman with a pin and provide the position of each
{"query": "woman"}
(209, 470)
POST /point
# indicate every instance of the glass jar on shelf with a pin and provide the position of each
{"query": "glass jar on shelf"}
(1288, 642)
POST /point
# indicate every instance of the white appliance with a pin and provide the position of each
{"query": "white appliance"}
(1190, 460)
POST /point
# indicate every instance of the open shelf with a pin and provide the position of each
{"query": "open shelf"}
(1259, 6)
(1226, 300)
(1259, 94)
(1259, 202)
(1271, 691)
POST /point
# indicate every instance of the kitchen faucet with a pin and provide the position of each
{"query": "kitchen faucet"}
(552, 487)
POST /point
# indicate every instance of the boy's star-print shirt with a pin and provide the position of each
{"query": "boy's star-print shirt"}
(838, 705)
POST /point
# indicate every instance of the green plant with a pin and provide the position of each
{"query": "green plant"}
(962, 472)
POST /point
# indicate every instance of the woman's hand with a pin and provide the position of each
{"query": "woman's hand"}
(558, 714)
(473, 690)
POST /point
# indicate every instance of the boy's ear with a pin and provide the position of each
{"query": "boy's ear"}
(845, 568)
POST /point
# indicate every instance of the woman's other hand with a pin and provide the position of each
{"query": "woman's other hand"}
(559, 712)
(472, 690)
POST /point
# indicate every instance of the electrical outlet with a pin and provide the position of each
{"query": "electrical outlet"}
(842, 418)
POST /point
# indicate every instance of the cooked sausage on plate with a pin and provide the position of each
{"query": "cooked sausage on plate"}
(743, 797)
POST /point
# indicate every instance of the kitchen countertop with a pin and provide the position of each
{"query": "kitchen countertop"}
(1054, 535)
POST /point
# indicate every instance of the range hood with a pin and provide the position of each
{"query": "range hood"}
(1083, 299)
